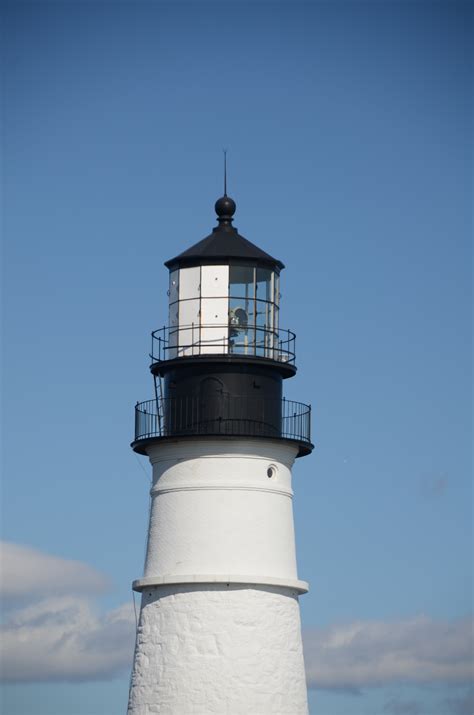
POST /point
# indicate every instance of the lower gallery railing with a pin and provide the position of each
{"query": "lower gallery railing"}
(231, 415)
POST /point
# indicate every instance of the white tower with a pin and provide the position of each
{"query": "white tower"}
(219, 628)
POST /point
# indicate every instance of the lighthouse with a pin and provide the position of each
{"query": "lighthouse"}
(219, 629)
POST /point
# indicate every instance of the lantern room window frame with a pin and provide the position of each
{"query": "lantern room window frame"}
(209, 313)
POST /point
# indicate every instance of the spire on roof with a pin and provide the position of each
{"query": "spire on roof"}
(225, 172)
(225, 206)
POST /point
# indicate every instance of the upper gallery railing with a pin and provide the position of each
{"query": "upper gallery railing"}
(194, 340)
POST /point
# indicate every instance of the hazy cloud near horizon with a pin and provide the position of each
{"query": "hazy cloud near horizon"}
(28, 574)
(52, 630)
(375, 653)
(56, 633)
(61, 639)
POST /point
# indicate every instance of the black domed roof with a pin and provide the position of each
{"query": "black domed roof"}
(224, 244)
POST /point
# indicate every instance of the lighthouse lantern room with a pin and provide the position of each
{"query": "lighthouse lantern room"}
(219, 628)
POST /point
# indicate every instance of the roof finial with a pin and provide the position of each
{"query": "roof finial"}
(225, 171)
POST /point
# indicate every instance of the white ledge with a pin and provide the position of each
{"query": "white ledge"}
(193, 487)
(229, 580)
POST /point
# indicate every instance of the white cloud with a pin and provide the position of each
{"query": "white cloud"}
(54, 632)
(374, 653)
(51, 629)
(64, 639)
(28, 574)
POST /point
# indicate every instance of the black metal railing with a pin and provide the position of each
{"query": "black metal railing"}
(194, 340)
(184, 416)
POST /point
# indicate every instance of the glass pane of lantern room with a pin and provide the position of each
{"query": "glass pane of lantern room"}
(189, 310)
(214, 309)
(241, 309)
(189, 327)
(264, 338)
(264, 312)
(173, 315)
(264, 284)
(276, 315)
(189, 283)
(276, 283)
(241, 281)
(174, 286)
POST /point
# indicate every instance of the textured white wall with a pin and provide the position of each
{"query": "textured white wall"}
(214, 650)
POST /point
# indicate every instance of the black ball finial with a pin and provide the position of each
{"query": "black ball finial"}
(225, 209)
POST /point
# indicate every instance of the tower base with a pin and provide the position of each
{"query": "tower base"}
(213, 649)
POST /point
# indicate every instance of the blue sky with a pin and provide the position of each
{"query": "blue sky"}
(348, 129)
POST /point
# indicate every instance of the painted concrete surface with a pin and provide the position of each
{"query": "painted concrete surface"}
(215, 510)
(214, 650)
(206, 645)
